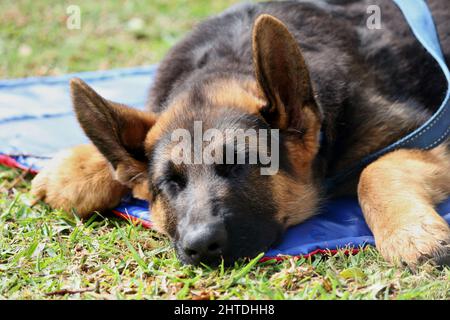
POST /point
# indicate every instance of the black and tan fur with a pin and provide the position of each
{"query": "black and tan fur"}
(304, 67)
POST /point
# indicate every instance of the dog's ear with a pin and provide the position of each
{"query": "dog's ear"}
(282, 75)
(116, 130)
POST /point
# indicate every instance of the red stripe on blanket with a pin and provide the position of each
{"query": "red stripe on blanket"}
(145, 224)
(11, 162)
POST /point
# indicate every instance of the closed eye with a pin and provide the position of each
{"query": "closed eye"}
(229, 170)
(175, 183)
(234, 167)
(174, 180)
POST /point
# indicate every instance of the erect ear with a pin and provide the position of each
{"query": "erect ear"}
(116, 130)
(282, 75)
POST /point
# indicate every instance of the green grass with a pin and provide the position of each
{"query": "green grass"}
(34, 39)
(48, 254)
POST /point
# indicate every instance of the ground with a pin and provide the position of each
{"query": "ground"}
(48, 254)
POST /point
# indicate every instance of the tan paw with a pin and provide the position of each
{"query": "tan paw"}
(417, 242)
(80, 179)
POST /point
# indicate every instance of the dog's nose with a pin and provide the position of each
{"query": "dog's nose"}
(205, 243)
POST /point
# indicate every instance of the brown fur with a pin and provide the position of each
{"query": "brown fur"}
(236, 93)
(281, 72)
(81, 179)
(277, 58)
(118, 132)
(175, 110)
(116, 128)
(162, 221)
(296, 201)
(398, 194)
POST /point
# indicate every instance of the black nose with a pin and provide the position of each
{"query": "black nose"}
(204, 243)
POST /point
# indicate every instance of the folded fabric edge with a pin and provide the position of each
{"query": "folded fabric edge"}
(86, 75)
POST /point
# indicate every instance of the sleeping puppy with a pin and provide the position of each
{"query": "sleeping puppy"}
(312, 71)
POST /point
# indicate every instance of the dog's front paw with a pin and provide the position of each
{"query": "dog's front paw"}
(417, 242)
(80, 179)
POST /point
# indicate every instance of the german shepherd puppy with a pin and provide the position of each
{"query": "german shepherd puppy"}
(336, 90)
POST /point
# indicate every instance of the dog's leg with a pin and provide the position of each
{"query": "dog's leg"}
(81, 179)
(398, 193)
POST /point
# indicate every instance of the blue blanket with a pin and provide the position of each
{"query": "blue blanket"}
(36, 120)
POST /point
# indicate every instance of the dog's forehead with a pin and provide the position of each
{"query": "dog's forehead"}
(222, 104)
(216, 133)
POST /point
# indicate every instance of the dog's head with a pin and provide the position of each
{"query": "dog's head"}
(224, 208)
